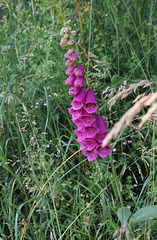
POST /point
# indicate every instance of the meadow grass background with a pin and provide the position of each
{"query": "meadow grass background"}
(81, 199)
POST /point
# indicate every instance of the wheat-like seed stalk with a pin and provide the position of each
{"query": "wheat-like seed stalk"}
(126, 119)
(123, 92)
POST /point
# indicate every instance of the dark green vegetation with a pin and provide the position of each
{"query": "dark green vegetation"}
(81, 199)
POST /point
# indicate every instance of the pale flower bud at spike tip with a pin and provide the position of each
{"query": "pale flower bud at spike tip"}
(64, 39)
(70, 42)
(63, 44)
(73, 32)
(62, 32)
(66, 35)
(66, 30)
(69, 53)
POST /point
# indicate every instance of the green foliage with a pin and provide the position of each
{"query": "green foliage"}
(81, 199)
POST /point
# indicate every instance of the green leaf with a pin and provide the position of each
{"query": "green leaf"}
(143, 214)
(123, 214)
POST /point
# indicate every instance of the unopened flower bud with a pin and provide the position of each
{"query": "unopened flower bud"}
(71, 69)
(63, 44)
(79, 71)
(64, 39)
(71, 42)
(66, 35)
(68, 53)
(66, 30)
(74, 90)
(74, 57)
(68, 62)
(73, 33)
(62, 32)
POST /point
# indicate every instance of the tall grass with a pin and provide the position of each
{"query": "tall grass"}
(48, 190)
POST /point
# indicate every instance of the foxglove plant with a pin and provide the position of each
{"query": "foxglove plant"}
(91, 128)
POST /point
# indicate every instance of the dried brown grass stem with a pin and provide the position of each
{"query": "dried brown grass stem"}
(127, 118)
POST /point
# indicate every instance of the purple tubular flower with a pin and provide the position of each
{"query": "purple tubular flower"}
(78, 123)
(85, 119)
(79, 81)
(74, 90)
(75, 113)
(74, 57)
(90, 143)
(68, 62)
(79, 71)
(71, 42)
(82, 146)
(71, 69)
(102, 128)
(90, 101)
(78, 101)
(70, 80)
(100, 136)
(90, 155)
(91, 130)
(103, 152)
(68, 54)
(81, 135)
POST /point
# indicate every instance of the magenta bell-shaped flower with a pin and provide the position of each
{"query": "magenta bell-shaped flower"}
(74, 90)
(90, 143)
(102, 128)
(91, 130)
(82, 146)
(103, 152)
(70, 80)
(90, 101)
(68, 54)
(71, 69)
(75, 113)
(90, 155)
(79, 71)
(78, 101)
(85, 119)
(79, 81)
(81, 135)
